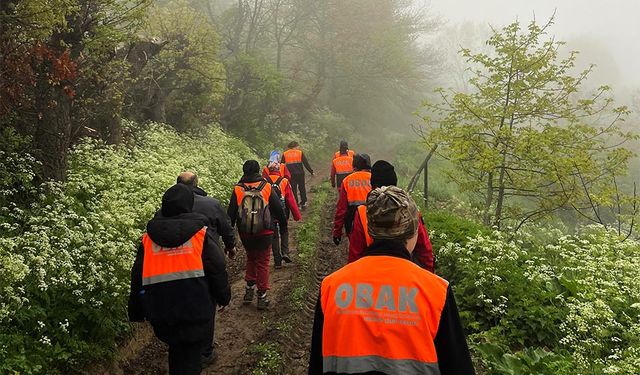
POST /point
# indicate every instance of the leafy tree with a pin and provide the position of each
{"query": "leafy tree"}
(525, 142)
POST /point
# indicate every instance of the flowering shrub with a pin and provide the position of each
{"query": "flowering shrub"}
(552, 304)
(65, 258)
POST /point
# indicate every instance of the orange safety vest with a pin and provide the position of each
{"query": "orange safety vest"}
(283, 183)
(268, 172)
(266, 191)
(292, 156)
(362, 211)
(357, 185)
(163, 264)
(381, 313)
(349, 153)
(343, 164)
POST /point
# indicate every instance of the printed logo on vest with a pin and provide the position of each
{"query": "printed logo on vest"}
(185, 248)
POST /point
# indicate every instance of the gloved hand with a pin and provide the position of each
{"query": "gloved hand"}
(337, 240)
(231, 253)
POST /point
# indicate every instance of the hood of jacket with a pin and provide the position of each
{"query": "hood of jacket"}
(176, 230)
(198, 191)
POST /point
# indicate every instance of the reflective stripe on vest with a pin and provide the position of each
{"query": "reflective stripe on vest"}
(163, 264)
(343, 164)
(293, 156)
(349, 153)
(362, 211)
(266, 191)
(283, 183)
(381, 313)
(357, 185)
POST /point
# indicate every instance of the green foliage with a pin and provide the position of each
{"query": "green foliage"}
(548, 304)
(65, 259)
(270, 361)
(525, 141)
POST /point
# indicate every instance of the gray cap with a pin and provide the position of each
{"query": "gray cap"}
(391, 214)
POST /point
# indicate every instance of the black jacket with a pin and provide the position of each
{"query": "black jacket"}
(180, 310)
(451, 345)
(217, 219)
(259, 241)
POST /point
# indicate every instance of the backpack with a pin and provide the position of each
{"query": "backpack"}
(254, 211)
(276, 187)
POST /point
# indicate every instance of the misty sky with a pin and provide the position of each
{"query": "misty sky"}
(611, 26)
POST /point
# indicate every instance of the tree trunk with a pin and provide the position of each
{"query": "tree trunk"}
(488, 200)
(499, 202)
(52, 138)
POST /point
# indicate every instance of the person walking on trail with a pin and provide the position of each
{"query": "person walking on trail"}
(253, 208)
(383, 174)
(353, 193)
(296, 162)
(218, 222)
(341, 165)
(177, 279)
(275, 157)
(281, 185)
(383, 314)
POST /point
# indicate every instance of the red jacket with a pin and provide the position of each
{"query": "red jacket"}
(423, 251)
(342, 209)
(289, 198)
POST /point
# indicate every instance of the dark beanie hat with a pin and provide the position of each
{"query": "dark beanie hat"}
(177, 200)
(344, 145)
(383, 174)
(250, 167)
(361, 161)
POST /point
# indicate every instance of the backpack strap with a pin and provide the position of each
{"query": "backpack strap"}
(279, 180)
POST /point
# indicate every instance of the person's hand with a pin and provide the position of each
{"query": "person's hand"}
(337, 240)
(231, 253)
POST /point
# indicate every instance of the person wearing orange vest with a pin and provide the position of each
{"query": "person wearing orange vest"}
(177, 279)
(280, 243)
(284, 171)
(383, 314)
(341, 165)
(383, 174)
(353, 193)
(257, 245)
(296, 161)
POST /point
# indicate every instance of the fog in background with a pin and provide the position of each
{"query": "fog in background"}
(607, 33)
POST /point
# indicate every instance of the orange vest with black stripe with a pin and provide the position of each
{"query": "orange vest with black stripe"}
(292, 157)
(343, 165)
(362, 212)
(163, 264)
(381, 313)
(357, 186)
(349, 153)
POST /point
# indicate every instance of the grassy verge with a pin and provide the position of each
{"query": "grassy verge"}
(269, 352)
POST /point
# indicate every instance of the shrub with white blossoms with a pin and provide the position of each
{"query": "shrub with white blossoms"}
(65, 259)
(549, 304)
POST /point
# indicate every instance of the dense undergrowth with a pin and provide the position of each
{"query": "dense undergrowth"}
(540, 301)
(65, 255)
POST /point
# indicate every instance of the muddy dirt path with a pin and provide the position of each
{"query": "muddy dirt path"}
(239, 327)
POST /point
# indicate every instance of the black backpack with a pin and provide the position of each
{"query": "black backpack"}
(253, 210)
(276, 187)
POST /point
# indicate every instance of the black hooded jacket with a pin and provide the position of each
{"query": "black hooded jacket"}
(180, 310)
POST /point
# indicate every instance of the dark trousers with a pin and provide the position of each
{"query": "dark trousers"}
(280, 244)
(298, 183)
(207, 350)
(185, 358)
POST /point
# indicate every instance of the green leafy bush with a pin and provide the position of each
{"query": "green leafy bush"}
(65, 259)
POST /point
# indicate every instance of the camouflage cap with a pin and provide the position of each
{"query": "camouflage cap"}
(391, 214)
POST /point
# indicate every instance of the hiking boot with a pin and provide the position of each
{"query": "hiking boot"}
(248, 295)
(303, 205)
(278, 266)
(263, 301)
(286, 258)
(208, 360)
